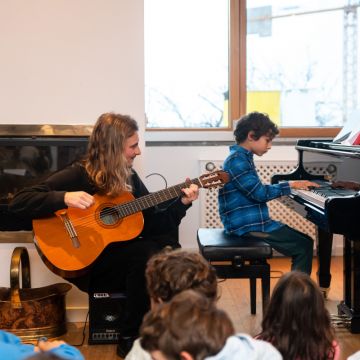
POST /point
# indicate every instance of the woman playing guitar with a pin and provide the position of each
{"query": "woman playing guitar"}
(107, 171)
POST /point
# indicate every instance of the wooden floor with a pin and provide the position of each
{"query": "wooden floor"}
(235, 300)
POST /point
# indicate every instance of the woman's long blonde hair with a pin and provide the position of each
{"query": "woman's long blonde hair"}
(105, 163)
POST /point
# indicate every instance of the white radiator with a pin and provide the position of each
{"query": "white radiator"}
(209, 215)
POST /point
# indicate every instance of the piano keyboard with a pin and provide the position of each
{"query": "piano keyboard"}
(319, 195)
(311, 196)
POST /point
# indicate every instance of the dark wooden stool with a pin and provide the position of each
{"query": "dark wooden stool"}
(247, 256)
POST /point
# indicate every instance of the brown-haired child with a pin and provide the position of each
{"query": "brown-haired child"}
(297, 322)
(191, 327)
(171, 272)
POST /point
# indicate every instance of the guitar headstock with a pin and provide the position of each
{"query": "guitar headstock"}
(213, 179)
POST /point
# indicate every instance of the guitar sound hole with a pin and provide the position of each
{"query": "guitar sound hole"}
(109, 216)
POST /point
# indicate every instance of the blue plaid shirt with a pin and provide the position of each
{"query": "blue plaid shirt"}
(242, 201)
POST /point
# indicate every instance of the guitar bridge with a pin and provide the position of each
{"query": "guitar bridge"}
(70, 229)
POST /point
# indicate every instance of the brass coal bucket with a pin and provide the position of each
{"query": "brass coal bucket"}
(28, 312)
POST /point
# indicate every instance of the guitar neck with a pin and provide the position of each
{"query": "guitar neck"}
(150, 200)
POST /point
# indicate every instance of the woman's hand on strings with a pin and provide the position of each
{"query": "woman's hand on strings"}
(78, 199)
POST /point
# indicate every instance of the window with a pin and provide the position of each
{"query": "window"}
(186, 63)
(207, 62)
(302, 62)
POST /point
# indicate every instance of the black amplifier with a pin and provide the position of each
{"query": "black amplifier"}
(106, 312)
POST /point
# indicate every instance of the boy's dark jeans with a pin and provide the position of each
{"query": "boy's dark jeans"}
(293, 243)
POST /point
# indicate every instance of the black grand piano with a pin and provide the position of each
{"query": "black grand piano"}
(333, 211)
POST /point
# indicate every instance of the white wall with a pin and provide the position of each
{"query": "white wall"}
(66, 61)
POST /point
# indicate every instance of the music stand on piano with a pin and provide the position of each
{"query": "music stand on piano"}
(350, 133)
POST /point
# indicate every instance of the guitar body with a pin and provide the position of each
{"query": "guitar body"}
(71, 240)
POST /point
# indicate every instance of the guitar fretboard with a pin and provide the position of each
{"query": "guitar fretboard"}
(147, 201)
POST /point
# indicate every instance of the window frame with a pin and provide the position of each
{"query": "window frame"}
(237, 83)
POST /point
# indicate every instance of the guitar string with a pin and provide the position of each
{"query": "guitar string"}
(130, 208)
(147, 201)
(119, 211)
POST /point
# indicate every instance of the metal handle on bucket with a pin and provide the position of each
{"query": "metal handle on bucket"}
(19, 257)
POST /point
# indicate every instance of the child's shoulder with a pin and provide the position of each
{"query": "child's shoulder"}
(137, 352)
(238, 159)
(243, 346)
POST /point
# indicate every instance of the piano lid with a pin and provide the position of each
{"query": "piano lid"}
(329, 147)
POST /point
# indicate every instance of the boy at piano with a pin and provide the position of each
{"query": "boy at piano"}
(243, 200)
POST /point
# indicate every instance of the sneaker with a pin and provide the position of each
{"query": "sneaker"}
(325, 292)
(124, 345)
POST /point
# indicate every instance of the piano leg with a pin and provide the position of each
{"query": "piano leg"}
(350, 307)
(324, 248)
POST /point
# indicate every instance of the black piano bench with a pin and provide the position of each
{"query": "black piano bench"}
(247, 256)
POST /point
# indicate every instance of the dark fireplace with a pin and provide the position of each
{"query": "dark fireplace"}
(29, 153)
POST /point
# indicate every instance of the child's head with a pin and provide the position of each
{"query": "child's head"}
(296, 321)
(256, 124)
(170, 272)
(190, 323)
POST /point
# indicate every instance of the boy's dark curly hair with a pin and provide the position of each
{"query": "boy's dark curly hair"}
(257, 123)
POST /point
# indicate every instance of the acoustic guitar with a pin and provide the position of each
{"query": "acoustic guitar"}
(71, 240)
